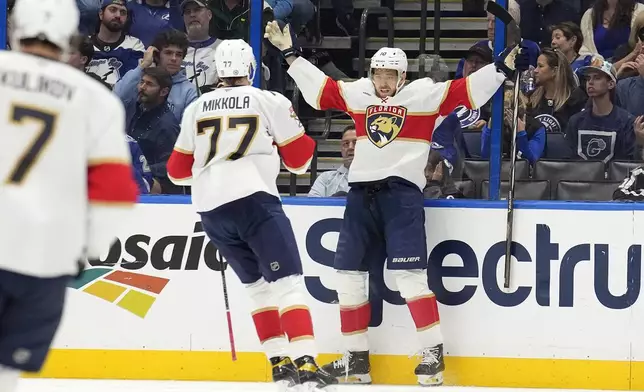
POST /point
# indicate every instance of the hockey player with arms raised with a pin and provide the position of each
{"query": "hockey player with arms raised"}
(384, 217)
(228, 152)
(65, 179)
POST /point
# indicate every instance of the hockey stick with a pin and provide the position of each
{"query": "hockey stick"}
(513, 32)
(231, 336)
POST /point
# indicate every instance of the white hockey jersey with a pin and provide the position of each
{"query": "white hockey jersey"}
(229, 142)
(65, 172)
(393, 133)
(199, 63)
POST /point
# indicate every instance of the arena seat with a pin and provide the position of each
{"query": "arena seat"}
(478, 170)
(556, 146)
(472, 140)
(557, 170)
(619, 170)
(586, 190)
(467, 188)
(523, 189)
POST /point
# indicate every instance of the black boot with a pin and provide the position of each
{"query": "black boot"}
(352, 368)
(310, 373)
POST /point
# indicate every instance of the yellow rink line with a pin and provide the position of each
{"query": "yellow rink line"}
(386, 369)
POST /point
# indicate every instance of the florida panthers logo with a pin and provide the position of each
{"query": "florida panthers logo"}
(384, 123)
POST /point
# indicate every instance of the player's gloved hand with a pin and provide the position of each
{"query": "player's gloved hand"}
(280, 39)
(506, 62)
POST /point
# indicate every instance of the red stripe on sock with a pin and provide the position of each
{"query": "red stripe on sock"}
(355, 318)
(297, 323)
(267, 324)
(424, 311)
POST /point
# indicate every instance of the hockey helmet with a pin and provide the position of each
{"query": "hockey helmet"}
(234, 58)
(55, 21)
(390, 58)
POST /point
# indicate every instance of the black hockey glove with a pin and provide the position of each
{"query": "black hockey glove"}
(511, 60)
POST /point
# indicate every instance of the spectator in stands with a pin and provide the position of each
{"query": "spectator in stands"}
(626, 54)
(630, 91)
(149, 18)
(140, 168)
(331, 182)
(607, 25)
(439, 180)
(638, 125)
(567, 38)
(116, 53)
(81, 53)
(603, 131)
(538, 15)
(477, 57)
(199, 62)
(513, 9)
(556, 97)
(89, 10)
(531, 134)
(167, 53)
(153, 125)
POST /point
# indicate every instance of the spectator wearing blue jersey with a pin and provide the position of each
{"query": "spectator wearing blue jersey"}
(603, 131)
(140, 168)
(152, 17)
(531, 134)
(167, 54)
(116, 53)
(152, 124)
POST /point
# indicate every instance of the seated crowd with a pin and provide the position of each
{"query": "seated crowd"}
(583, 99)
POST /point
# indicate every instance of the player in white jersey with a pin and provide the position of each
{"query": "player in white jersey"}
(384, 219)
(228, 152)
(65, 179)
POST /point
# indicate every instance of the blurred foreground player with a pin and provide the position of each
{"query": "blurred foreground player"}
(65, 179)
(228, 152)
(384, 217)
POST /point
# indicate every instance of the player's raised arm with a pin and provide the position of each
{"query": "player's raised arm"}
(111, 190)
(318, 90)
(182, 158)
(477, 89)
(295, 147)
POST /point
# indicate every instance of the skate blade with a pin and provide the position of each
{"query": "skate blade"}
(313, 387)
(355, 379)
(431, 381)
(286, 386)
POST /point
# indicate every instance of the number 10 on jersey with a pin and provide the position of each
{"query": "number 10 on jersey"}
(213, 127)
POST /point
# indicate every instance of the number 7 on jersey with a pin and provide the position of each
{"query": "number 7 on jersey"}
(18, 115)
(213, 127)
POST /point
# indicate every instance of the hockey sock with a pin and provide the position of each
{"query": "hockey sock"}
(267, 319)
(422, 305)
(355, 309)
(9, 379)
(295, 316)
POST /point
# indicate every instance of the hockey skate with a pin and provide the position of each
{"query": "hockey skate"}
(430, 369)
(312, 377)
(284, 374)
(352, 368)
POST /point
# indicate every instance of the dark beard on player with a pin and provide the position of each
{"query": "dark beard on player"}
(113, 26)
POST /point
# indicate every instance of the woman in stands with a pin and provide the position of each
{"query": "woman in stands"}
(626, 54)
(556, 96)
(607, 25)
(531, 134)
(567, 38)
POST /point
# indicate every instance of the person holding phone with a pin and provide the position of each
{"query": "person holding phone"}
(167, 52)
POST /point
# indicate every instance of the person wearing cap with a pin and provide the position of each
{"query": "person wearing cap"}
(149, 18)
(603, 131)
(531, 46)
(115, 53)
(199, 62)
